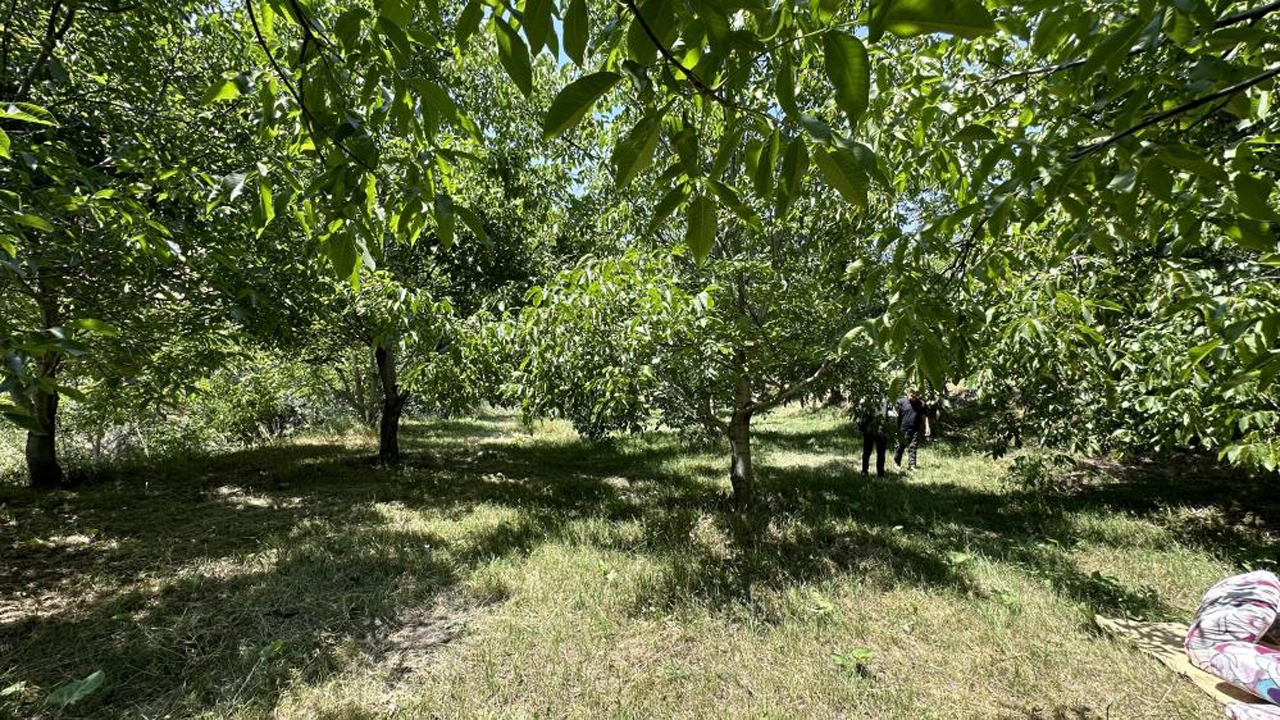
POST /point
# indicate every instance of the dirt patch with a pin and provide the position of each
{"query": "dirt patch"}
(410, 641)
(241, 499)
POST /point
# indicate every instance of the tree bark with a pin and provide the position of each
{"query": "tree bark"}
(393, 402)
(741, 473)
(43, 468)
(42, 449)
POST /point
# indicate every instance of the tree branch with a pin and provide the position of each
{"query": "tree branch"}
(1227, 21)
(110, 10)
(4, 47)
(1247, 15)
(670, 57)
(53, 34)
(795, 389)
(1226, 92)
(698, 83)
(309, 120)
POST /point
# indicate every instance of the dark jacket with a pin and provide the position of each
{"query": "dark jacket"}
(911, 413)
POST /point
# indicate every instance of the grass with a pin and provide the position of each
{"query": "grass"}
(504, 573)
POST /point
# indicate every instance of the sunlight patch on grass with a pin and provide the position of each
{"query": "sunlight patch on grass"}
(505, 573)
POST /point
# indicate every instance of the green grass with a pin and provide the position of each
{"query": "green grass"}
(503, 573)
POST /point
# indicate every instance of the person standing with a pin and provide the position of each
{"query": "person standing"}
(911, 427)
(874, 426)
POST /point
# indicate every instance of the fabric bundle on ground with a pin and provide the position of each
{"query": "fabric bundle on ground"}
(1224, 640)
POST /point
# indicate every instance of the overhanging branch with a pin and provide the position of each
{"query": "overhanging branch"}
(1158, 118)
(794, 390)
(1234, 19)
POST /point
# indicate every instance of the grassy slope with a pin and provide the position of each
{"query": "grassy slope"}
(505, 574)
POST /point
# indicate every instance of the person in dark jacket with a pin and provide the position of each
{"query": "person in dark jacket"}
(874, 426)
(911, 428)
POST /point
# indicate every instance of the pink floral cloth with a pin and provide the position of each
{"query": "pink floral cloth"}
(1245, 711)
(1223, 639)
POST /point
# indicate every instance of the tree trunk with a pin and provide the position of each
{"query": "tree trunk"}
(741, 474)
(43, 468)
(42, 448)
(393, 402)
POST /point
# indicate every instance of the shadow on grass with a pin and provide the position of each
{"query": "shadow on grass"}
(211, 585)
(1216, 508)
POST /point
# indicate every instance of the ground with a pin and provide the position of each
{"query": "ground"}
(508, 573)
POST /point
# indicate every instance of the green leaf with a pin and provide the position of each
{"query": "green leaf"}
(28, 113)
(513, 55)
(1253, 196)
(667, 205)
(33, 221)
(77, 690)
(433, 12)
(633, 153)
(1159, 180)
(817, 129)
(399, 12)
(438, 98)
(399, 40)
(266, 205)
(931, 365)
(1090, 333)
(4, 145)
(730, 140)
(443, 212)
(577, 24)
(909, 18)
(785, 84)
(347, 26)
(659, 17)
(221, 90)
(20, 417)
(1113, 49)
(795, 163)
(868, 161)
(701, 232)
(575, 101)
(849, 71)
(762, 179)
(340, 248)
(730, 199)
(841, 170)
(1179, 28)
(537, 20)
(974, 133)
(1250, 234)
(687, 150)
(1198, 353)
(1192, 160)
(468, 21)
(94, 326)
(70, 392)
(472, 222)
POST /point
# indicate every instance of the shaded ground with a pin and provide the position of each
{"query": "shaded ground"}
(503, 573)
